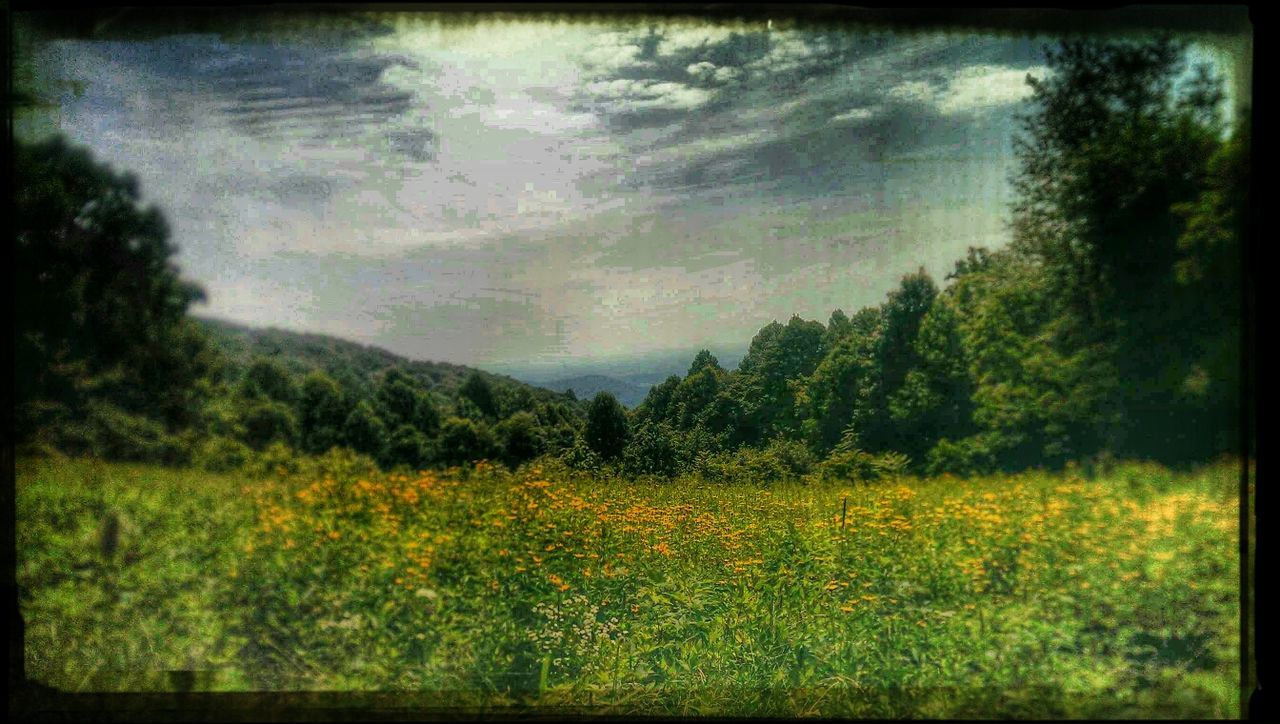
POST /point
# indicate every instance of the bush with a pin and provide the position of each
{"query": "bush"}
(222, 454)
(853, 464)
(975, 455)
(108, 432)
(653, 450)
(520, 438)
(580, 456)
(779, 461)
(277, 459)
(268, 421)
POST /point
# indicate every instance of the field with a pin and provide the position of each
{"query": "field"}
(1031, 595)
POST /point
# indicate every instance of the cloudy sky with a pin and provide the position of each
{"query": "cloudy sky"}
(533, 192)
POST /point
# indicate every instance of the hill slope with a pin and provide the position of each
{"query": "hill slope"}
(355, 365)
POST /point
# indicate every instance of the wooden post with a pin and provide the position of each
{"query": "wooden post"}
(843, 512)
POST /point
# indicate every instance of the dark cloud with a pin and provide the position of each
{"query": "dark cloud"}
(304, 92)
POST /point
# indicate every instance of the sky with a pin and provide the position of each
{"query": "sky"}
(537, 193)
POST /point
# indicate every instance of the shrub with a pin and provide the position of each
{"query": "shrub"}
(653, 450)
(220, 454)
(975, 455)
(853, 464)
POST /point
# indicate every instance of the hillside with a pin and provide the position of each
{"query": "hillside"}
(355, 365)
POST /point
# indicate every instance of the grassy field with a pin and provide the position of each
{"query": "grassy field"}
(1032, 595)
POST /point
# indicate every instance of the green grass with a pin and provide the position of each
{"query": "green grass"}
(1034, 595)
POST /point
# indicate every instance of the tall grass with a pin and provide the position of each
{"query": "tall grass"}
(1033, 595)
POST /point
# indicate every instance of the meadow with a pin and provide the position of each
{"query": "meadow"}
(1030, 595)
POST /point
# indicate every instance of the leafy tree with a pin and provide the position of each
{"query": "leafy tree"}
(694, 394)
(657, 405)
(463, 441)
(935, 400)
(1037, 403)
(478, 390)
(324, 411)
(520, 438)
(777, 361)
(843, 379)
(704, 359)
(103, 307)
(401, 401)
(407, 446)
(266, 421)
(1112, 147)
(653, 449)
(606, 431)
(364, 431)
(268, 379)
(894, 356)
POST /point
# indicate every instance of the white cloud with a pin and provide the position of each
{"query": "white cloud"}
(856, 114)
(981, 87)
(915, 91)
(632, 94)
(974, 89)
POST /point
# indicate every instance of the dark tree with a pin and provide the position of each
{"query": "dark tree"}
(478, 390)
(102, 305)
(268, 379)
(1112, 147)
(364, 431)
(463, 441)
(324, 411)
(520, 438)
(401, 401)
(606, 432)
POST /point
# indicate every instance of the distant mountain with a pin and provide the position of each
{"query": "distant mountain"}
(355, 365)
(585, 387)
(642, 370)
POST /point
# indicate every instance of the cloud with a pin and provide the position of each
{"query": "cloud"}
(624, 95)
(972, 89)
(983, 87)
(862, 113)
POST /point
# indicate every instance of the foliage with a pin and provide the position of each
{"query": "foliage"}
(102, 304)
(606, 432)
(520, 438)
(463, 441)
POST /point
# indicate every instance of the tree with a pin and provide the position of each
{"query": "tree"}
(776, 363)
(1113, 146)
(894, 356)
(463, 441)
(657, 406)
(364, 431)
(704, 359)
(478, 390)
(653, 450)
(266, 421)
(520, 438)
(324, 410)
(606, 432)
(102, 304)
(406, 446)
(401, 401)
(268, 379)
